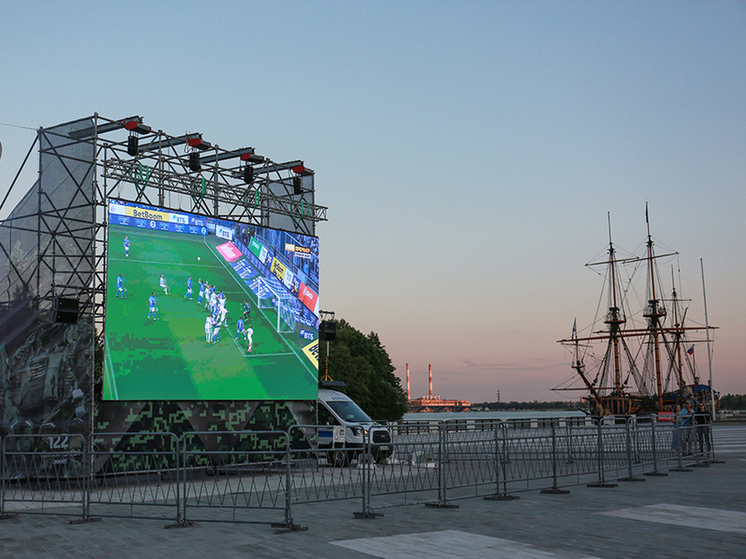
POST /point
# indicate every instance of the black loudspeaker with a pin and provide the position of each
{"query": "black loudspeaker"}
(194, 163)
(248, 174)
(327, 330)
(66, 311)
(132, 144)
(297, 185)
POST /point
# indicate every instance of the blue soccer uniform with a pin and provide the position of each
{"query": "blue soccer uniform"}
(153, 306)
(201, 291)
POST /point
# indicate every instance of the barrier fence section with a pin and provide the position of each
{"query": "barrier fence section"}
(264, 476)
(140, 479)
(230, 475)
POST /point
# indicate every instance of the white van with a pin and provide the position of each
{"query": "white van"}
(348, 425)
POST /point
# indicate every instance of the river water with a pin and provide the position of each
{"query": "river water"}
(504, 415)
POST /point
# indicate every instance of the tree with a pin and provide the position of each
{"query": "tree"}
(733, 402)
(362, 362)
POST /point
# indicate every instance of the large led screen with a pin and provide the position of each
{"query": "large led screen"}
(205, 309)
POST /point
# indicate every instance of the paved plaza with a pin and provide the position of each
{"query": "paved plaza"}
(697, 513)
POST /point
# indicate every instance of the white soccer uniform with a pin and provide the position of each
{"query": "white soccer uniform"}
(208, 329)
(250, 337)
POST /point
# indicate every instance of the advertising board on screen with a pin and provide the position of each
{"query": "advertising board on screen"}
(199, 308)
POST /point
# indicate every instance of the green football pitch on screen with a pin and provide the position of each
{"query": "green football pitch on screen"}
(166, 355)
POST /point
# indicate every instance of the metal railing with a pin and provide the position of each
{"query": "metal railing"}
(263, 476)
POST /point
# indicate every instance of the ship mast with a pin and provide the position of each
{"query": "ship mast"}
(655, 314)
(614, 317)
(664, 345)
(678, 334)
(579, 367)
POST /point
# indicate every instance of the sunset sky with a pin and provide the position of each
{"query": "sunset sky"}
(468, 152)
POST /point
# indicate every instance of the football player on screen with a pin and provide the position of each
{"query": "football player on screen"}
(201, 291)
(216, 332)
(126, 243)
(189, 293)
(240, 328)
(208, 329)
(250, 337)
(120, 286)
(153, 306)
(164, 285)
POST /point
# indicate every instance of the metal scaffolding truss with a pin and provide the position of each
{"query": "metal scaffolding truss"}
(85, 162)
(194, 175)
(53, 249)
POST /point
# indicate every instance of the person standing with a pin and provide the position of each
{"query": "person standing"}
(216, 331)
(201, 291)
(702, 428)
(686, 424)
(240, 329)
(120, 286)
(164, 285)
(208, 329)
(250, 338)
(153, 306)
(189, 292)
(126, 243)
(676, 432)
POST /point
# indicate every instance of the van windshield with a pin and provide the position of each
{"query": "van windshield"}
(349, 411)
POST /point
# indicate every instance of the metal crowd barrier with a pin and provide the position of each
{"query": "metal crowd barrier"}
(263, 476)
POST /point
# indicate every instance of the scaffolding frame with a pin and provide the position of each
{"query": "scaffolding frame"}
(93, 159)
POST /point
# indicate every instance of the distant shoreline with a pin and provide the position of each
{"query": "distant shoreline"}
(506, 414)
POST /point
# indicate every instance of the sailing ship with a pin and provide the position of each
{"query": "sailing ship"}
(647, 363)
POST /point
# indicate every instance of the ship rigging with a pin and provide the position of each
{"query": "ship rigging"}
(647, 363)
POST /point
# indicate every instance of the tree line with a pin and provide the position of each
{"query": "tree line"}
(733, 402)
(362, 362)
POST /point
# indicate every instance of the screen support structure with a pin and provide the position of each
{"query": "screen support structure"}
(61, 221)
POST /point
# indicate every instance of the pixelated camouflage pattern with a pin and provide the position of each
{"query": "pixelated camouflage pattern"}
(205, 428)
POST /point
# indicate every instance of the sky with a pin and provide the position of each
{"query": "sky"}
(469, 153)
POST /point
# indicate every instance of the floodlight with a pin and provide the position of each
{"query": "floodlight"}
(302, 170)
(251, 156)
(136, 126)
(198, 142)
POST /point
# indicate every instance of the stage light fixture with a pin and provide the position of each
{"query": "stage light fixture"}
(198, 142)
(251, 156)
(135, 127)
(132, 145)
(194, 162)
(248, 174)
(302, 171)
